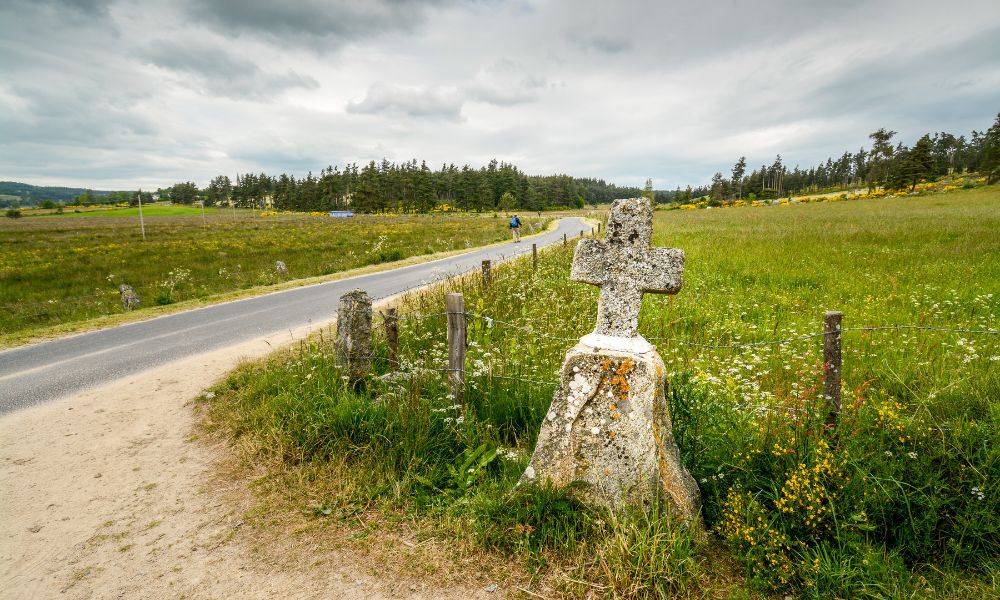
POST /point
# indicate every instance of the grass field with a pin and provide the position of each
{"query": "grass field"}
(65, 269)
(154, 210)
(902, 500)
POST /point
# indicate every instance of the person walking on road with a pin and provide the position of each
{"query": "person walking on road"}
(515, 229)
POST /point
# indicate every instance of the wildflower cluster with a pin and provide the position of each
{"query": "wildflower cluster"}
(768, 552)
(806, 495)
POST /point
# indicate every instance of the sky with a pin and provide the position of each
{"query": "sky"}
(122, 94)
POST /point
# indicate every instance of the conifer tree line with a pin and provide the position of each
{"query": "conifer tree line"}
(413, 187)
(888, 163)
(409, 187)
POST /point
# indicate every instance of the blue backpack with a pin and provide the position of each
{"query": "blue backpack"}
(515, 222)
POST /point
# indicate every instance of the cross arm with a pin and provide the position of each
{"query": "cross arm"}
(589, 262)
(665, 271)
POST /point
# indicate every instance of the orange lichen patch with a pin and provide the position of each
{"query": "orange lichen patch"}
(626, 367)
(614, 406)
(611, 434)
(616, 416)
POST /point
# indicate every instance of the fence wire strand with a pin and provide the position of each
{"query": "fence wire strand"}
(490, 320)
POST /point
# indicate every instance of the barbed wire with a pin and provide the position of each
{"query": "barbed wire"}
(825, 333)
(924, 328)
(743, 345)
(492, 376)
(491, 320)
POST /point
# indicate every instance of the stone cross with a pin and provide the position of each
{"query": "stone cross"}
(609, 422)
(625, 265)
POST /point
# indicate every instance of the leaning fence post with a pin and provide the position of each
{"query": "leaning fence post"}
(534, 257)
(486, 273)
(457, 331)
(392, 336)
(832, 364)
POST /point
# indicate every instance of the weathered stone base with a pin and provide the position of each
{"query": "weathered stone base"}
(609, 426)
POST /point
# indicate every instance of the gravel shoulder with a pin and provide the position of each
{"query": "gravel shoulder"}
(110, 493)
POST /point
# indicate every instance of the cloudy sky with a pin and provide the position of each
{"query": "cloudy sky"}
(122, 94)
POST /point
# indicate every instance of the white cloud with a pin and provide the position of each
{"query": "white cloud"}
(404, 101)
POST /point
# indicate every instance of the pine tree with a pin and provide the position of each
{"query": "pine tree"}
(739, 170)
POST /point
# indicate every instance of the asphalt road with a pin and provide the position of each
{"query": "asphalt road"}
(40, 372)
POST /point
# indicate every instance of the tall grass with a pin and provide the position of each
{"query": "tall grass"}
(902, 499)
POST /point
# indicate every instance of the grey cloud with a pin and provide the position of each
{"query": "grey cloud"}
(526, 91)
(887, 80)
(505, 83)
(292, 161)
(89, 7)
(600, 43)
(501, 84)
(315, 23)
(394, 100)
(891, 88)
(220, 73)
(86, 6)
(51, 116)
(675, 91)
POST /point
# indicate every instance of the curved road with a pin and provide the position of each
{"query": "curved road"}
(48, 370)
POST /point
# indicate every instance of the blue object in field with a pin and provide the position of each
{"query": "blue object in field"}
(341, 213)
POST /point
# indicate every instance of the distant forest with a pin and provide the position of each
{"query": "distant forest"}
(414, 187)
(406, 187)
(888, 164)
(32, 194)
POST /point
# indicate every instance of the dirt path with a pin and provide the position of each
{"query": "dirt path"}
(109, 494)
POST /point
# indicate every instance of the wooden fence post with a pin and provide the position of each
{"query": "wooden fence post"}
(457, 331)
(564, 240)
(486, 273)
(832, 364)
(598, 227)
(392, 336)
(534, 257)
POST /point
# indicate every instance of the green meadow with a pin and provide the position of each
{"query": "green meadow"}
(61, 270)
(901, 499)
(154, 210)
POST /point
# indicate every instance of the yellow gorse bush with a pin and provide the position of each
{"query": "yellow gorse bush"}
(805, 495)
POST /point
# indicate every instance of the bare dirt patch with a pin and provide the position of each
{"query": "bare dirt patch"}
(112, 493)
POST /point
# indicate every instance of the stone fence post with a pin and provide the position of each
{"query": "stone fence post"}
(354, 334)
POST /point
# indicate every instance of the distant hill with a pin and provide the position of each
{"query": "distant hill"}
(33, 194)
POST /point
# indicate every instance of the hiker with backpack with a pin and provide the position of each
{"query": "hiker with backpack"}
(515, 229)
